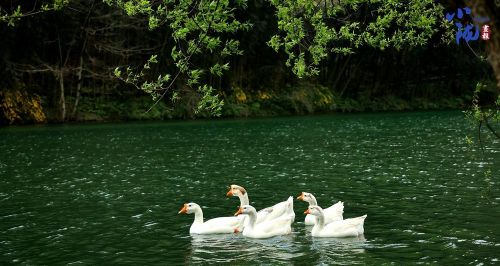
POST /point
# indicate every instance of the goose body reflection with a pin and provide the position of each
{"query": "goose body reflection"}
(235, 249)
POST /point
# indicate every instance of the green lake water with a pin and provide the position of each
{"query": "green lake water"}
(109, 194)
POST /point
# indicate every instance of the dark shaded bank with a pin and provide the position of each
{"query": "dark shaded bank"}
(22, 108)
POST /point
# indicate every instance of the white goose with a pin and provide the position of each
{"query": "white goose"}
(346, 228)
(266, 229)
(284, 208)
(221, 225)
(332, 213)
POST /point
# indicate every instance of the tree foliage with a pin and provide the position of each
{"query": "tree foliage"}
(311, 30)
(207, 52)
(197, 28)
(15, 13)
(308, 32)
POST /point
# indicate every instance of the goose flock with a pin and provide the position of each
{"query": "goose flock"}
(277, 219)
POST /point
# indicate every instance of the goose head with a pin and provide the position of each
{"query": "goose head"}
(245, 209)
(314, 210)
(235, 190)
(307, 197)
(189, 208)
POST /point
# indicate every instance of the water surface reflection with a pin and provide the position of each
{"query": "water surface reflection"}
(237, 248)
(109, 194)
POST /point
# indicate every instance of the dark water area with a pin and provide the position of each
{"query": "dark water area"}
(110, 193)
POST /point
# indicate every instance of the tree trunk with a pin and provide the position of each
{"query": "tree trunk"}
(488, 8)
(78, 87)
(340, 73)
(62, 100)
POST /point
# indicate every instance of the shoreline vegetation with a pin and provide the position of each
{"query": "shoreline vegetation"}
(19, 107)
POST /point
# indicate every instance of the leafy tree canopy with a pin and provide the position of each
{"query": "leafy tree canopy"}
(308, 31)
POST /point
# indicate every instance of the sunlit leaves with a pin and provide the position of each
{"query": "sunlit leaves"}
(153, 87)
(309, 29)
(476, 113)
(231, 47)
(198, 28)
(194, 76)
(133, 7)
(209, 101)
(154, 22)
(12, 16)
(218, 69)
(483, 117)
(58, 4)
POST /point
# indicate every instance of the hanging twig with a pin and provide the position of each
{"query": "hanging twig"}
(187, 60)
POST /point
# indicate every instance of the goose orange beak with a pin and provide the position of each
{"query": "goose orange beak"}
(240, 211)
(236, 230)
(307, 212)
(301, 196)
(184, 209)
(229, 193)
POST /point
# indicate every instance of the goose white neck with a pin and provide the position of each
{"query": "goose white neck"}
(198, 215)
(252, 216)
(312, 200)
(243, 199)
(320, 220)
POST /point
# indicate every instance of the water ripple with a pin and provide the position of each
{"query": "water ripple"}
(109, 194)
